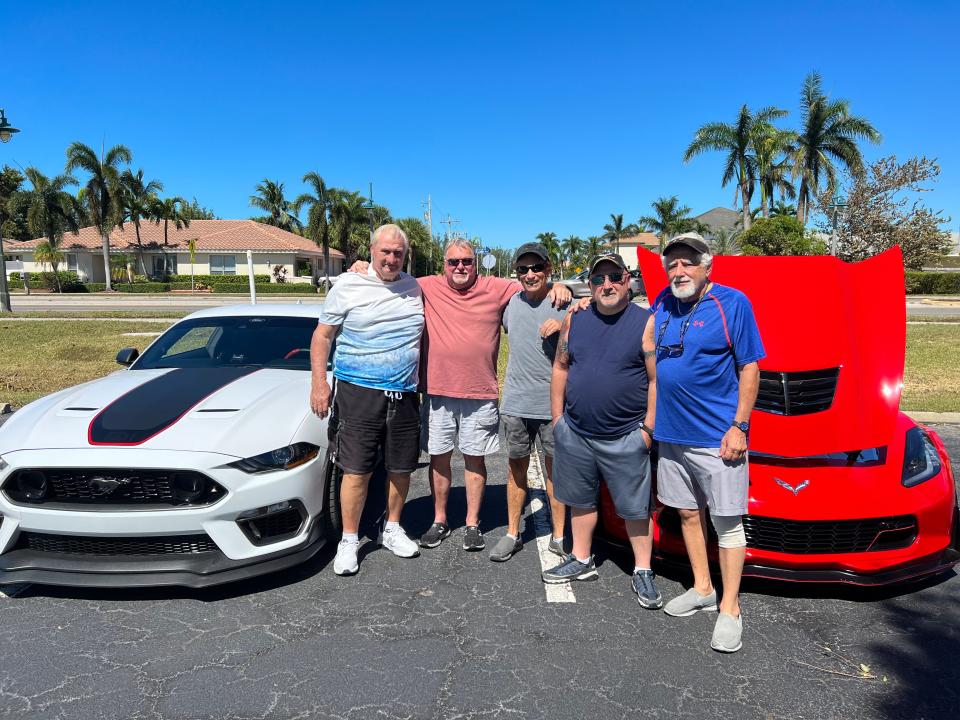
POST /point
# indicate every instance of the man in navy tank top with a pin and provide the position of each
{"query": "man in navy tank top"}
(706, 344)
(603, 415)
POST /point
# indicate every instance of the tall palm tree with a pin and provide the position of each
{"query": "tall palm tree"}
(138, 199)
(174, 210)
(101, 193)
(552, 244)
(771, 147)
(346, 212)
(670, 218)
(594, 246)
(781, 207)
(418, 237)
(571, 246)
(318, 205)
(615, 230)
(828, 133)
(735, 139)
(280, 212)
(51, 211)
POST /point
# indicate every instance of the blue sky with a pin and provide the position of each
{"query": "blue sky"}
(517, 117)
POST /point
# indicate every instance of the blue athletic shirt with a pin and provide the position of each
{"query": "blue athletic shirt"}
(607, 382)
(697, 392)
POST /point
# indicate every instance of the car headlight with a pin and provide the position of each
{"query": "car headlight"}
(285, 458)
(920, 459)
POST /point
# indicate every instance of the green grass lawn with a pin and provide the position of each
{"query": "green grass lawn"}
(38, 357)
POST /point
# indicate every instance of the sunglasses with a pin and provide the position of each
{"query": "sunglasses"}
(615, 278)
(524, 269)
(676, 350)
(453, 262)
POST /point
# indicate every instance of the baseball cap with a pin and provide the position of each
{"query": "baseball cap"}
(531, 248)
(692, 240)
(608, 257)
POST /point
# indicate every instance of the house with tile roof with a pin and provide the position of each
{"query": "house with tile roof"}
(220, 249)
(629, 245)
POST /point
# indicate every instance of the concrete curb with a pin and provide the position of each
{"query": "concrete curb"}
(922, 416)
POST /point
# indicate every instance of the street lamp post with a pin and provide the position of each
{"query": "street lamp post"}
(369, 206)
(836, 206)
(6, 132)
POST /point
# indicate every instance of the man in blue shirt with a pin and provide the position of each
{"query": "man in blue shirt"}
(706, 344)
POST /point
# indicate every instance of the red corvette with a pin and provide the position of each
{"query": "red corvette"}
(843, 486)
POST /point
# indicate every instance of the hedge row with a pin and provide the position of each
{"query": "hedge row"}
(42, 280)
(933, 283)
(276, 288)
(217, 279)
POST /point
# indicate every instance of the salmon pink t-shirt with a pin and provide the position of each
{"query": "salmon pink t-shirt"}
(462, 336)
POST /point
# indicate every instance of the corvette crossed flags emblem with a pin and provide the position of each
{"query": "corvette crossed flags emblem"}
(795, 490)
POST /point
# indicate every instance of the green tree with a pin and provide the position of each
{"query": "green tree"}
(724, 242)
(669, 218)
(780, 207)
(615, 230)
(13, 216)
(552, 244)
(346, 213)
(781, 235)
(45, 253)
(771, 148)
(196, 211)
(418, 236)
(101, 195)
(593, 247)
(828, 134)
(735, 140)
(318, 204)
(170, 210)
(572, 247)
(270, 199)
(138, 198)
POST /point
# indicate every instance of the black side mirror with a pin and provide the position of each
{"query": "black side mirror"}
(127, 356)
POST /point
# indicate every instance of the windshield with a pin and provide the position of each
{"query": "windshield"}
(270, 341)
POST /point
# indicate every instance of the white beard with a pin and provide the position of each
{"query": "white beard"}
(684, 292)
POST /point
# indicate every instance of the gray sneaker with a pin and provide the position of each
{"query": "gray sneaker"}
(473, 539)
(435, 535)
(647, 594)
(505, 548)
(556, 546)
(570, 569)
(726, 633)
(690, 602)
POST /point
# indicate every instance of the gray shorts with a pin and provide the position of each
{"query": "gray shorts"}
(624, 464)
(472, 425)
(522, 433)
(696, 477)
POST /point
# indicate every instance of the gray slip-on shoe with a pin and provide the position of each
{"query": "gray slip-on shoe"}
(690, 602)
(505, 548)
(726, 633)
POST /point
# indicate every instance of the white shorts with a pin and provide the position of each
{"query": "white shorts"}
(473, 425)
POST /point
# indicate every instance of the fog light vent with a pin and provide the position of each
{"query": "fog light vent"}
(273, 523)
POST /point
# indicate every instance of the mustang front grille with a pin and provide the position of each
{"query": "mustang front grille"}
(797, 393)
(66, 487)
(128, 546)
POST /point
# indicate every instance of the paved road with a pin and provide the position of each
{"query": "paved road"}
(452, 635)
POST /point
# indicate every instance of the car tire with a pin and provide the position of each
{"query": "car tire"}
(631, 295)
(332, 478)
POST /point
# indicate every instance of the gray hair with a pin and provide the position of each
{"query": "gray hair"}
(706, 259)
(460, 242)
(391, 229)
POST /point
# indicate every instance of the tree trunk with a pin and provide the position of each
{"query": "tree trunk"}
(165, 231)
(143, 266)
(764, 203)
(801, 204)
(105, 239)
(745, 201)
(410, 261)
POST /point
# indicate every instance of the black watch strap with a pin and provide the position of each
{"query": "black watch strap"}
(647, 429)
(743, 426)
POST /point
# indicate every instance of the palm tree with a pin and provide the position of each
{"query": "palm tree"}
(101, 194)
(615, 230)
(174, 210)
(138, 199)
(571, 246)
(318, 217)
(780, 207)
(735, 140)
(670, 218)
(51, 211)
(280, 212)
(828, 133)
(346, 211)
(552, 244)
(770, 146)
(418, 237)
(594, 246)
(724, 242)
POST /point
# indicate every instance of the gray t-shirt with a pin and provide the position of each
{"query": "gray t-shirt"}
(526, 389)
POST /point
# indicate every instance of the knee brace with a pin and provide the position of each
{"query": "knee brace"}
(729, 531)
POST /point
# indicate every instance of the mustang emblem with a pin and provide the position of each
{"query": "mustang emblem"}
(795, 490)
(103, 486)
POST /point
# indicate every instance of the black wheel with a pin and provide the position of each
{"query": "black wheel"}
(332, 477)
(631, 295)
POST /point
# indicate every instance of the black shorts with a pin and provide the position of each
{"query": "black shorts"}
(366, 420)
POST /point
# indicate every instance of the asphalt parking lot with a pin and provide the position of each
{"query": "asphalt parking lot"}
(453, 635)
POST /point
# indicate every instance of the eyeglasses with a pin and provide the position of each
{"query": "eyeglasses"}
(614, 277)
(674, 351)
(524, 269)
(453, 262)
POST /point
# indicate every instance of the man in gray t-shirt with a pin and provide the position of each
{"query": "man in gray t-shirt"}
(532, 325)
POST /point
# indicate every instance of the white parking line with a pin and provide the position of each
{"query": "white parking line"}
(538, 513)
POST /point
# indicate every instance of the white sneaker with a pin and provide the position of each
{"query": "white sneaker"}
(397, 542)
(345, 563)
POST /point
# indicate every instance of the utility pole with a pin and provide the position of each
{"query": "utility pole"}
(449, 222)
(428, 216)
(369, 207)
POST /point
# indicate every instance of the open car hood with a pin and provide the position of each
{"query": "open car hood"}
(816, 314)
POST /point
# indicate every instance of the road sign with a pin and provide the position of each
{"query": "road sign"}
(488, 261)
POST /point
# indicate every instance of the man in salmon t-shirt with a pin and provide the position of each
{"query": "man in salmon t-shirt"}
(461, 343)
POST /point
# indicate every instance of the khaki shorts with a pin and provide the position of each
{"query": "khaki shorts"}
(472, 426)
(693, 478)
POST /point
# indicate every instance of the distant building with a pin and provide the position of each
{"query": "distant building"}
(220, 249)
(629, 245)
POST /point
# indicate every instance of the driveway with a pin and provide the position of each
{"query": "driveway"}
(453, 635)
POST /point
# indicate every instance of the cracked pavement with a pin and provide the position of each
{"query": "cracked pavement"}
(453, 635)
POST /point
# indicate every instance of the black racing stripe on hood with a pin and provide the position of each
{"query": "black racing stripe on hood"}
(150, 408)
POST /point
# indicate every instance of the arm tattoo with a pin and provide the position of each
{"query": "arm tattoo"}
(649, 353)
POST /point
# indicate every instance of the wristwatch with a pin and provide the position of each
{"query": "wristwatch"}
(744, 426)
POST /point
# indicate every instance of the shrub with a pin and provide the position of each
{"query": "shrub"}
(94, 287)
(218, 279)
(932, 283)
(780, 235)
(39, 280)
(267, 288)
(147, 287)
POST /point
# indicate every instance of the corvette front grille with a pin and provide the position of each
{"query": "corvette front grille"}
(797, 393)
(128, 546)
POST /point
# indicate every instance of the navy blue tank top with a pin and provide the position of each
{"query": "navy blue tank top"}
(607, 380)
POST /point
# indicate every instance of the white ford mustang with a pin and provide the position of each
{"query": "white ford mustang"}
(200, 463)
